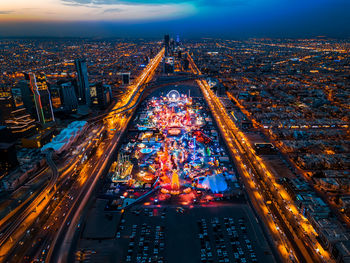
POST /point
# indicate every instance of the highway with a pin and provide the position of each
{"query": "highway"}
(261, 185)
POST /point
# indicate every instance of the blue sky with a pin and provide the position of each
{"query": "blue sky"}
(190, 18)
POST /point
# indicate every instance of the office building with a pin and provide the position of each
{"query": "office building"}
(24, 96)
(68, 98)
(56, 98)
(42, 98)
(101, 95)
(83, 93)
(63, 97)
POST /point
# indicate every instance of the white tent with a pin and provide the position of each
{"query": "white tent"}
(216, 183)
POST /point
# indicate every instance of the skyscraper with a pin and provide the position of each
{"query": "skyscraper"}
(68, 97)
(167, 44)
(42, 97)
(27, 96)
(83, 82)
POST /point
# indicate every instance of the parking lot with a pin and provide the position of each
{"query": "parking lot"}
(223, 232)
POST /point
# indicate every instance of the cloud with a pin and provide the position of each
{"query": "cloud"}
(113, 10)
(6, 12)
(74, 4)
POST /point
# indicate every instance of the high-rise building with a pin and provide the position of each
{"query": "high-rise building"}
(101, 95)
(167, 44)
(26, 95)
(42, 97)
(63, 97)
(83, 82)
(68, 97)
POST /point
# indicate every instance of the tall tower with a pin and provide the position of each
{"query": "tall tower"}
(83, 82)
(42, 97)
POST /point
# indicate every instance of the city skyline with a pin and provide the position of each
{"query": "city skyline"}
(114, 150)
(169, 131)
(190, 18)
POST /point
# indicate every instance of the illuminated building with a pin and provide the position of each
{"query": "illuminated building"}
(83, 82)
(39, 139)
(42, 97)
(63, 98)
(56, 98)
(93, 94)
(20, 123)
(101, 95)
(6, 106)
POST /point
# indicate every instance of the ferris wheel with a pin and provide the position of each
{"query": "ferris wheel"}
(173, 95)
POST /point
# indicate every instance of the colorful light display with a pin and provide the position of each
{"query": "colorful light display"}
(175, 149)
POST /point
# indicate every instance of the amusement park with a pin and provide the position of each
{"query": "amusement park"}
(174, 150)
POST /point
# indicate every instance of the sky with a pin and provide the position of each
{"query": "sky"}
(188, 18)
